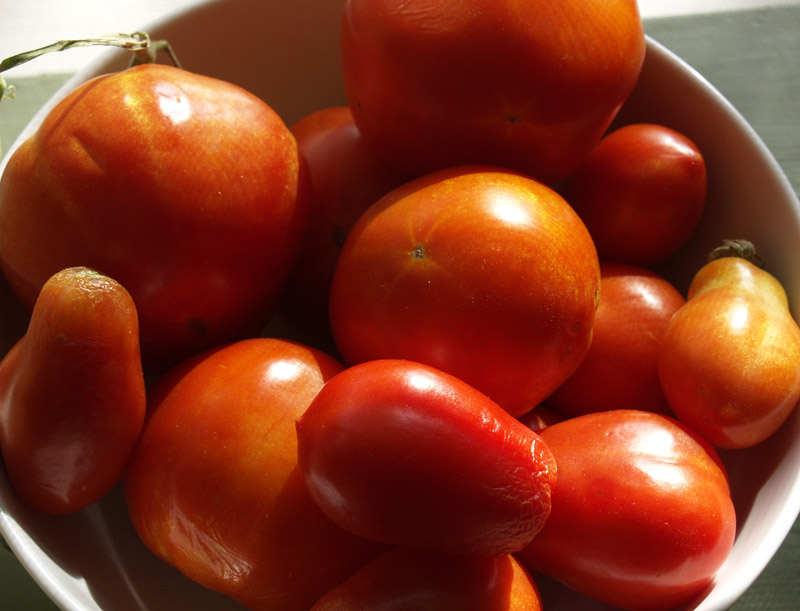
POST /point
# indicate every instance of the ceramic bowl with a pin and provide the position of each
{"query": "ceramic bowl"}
(287, 53)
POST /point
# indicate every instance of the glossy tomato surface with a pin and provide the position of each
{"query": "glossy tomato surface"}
(401, 453)
(181, 187)
(437, 83)
(213, 487)
(641, 517)
(481, 272)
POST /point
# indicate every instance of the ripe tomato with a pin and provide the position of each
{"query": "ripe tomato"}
(641, 517)
(213, 487)
(72, 395)
(401, 453)
(641, 193)
(437, 83)
(483, 273)
(411, 579)
(181, 187)
(345, 179)
(729, 362)
(620, 370)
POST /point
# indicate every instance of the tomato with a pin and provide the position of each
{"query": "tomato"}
(641, 193)
(213, 486)
(541, 417)
(345, 179)
(401, 453)
(72, 394)
(438, 83)
(181, 187)
(641, 517)
(483, 273)
(730, 358)
(620, 370)
(412, 579)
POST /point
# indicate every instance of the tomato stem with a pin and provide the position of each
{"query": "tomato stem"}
(744, 249)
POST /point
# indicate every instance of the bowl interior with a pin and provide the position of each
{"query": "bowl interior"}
(287, 53)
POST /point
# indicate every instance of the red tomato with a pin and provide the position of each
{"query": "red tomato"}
(483, 273)
(181, 187)
(641, 193)
(642, 516)
(620, 370)
(213, 487)
(345, 179)
(72, 395)
(406, 579)
(729, 362)
(437, 83)
(401, 453)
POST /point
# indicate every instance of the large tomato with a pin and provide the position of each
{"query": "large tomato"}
(641, 517)
(620, 370)
(213, 486)
(526, 85)
(401, 453)
(483, 273)
(181, 187)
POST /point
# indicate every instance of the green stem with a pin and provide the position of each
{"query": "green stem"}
(744, 249)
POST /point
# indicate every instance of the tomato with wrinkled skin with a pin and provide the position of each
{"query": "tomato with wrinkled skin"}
(641, 192)
(407, 579)
(213, 487)
(72, 393)
(438, 83)
(730, 357)
(620, 370)
(183, 188)
(641, 516)
(401, 453)
(481, 272)
(345, 178)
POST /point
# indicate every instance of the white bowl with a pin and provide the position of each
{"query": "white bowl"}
(287, 53)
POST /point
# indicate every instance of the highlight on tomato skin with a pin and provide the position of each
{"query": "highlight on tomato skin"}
(403, 454)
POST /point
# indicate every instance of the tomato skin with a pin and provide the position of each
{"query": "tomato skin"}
(183, 188)
(437, 83)
(620, 370)
(730, 359)
(480, 272)
(213, 487)
(641, 513)
(401, 453)
(641, 192)
(72, 393)
(411, 579)
(345, 178)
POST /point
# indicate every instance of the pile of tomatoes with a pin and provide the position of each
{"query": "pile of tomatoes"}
(410, 352)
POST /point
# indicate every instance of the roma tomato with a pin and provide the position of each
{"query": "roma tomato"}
(72, 393)
(407, 579)
(213, 487)
(729, 362)
(620, 370)
(483, 273)
(641, 193)
(641, 517)
(401, 453)
(437, 83)
(345, 178)
(181, 187)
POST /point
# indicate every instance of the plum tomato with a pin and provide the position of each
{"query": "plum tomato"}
(641, 192)
(401, 453)
(729, 362)
(213, 487)
(620, 370)
(481, 272)
(184, 188)
(438, 83)
(407, 579)
(641, 516)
